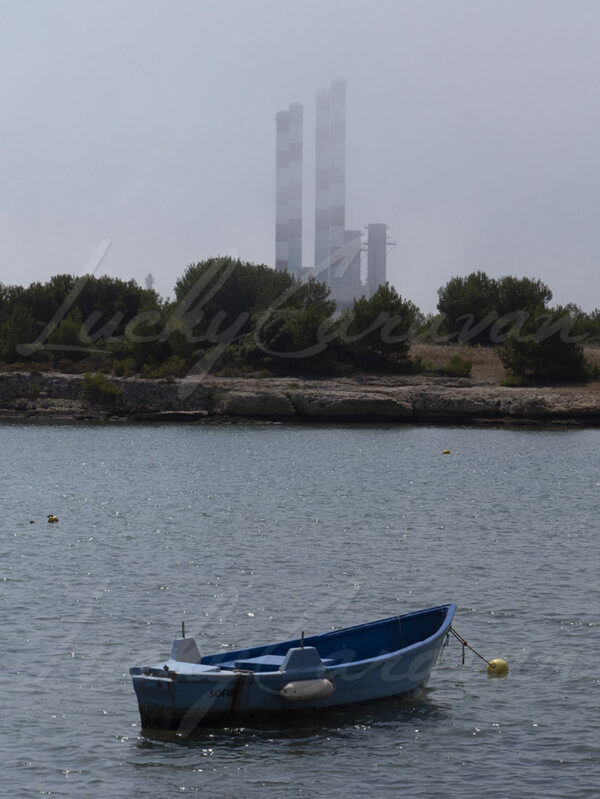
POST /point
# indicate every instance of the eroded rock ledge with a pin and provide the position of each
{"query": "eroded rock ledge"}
(365, 399)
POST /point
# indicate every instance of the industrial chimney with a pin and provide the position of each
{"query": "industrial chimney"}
(337, 250)
(282, 128)
(376, 255)
(322, 189)
(337, 177)
(288, 189)
(295, 189)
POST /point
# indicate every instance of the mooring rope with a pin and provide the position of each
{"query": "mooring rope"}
(468, 646)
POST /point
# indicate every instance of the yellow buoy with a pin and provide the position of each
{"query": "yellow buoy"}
(497, 668)
(52, 519)
(446, 452)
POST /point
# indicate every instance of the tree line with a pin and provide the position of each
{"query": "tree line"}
(535, 342)
(232, 317)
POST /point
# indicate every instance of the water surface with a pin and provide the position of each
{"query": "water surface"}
(254, 533)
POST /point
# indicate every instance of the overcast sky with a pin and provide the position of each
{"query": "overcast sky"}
(473, 131)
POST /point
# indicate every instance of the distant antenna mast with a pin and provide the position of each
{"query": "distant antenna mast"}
(149, 281)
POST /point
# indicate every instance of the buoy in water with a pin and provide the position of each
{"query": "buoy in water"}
(446, 452)
(52, 519)
(497, 668)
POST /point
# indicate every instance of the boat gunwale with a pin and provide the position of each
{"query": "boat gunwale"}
(443, 628)
(229, 670)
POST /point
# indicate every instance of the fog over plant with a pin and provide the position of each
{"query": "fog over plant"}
(472, 131)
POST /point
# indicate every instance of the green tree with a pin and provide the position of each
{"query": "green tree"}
(72, 316)
(478, 309)
(375, 332)
(545, 350)
(217, 298)
(68, 337)
(252, 314)
(295, 336)
(585, 325)
(469, 305)
(521, 293)
(18, 330)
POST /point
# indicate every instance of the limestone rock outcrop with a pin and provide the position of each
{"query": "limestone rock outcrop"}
(349, 404)
(414, 399)
(257, 404)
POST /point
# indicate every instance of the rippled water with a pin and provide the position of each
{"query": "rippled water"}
(254, 533)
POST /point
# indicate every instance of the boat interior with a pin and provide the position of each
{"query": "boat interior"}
(348, 645)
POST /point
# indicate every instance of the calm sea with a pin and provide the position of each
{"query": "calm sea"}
(254, 533)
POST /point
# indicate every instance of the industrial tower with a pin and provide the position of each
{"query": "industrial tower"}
(288, 200)
(337, 250)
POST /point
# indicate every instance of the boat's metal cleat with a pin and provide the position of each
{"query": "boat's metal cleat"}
(301, 690)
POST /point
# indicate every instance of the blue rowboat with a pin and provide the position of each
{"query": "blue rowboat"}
(383, 658)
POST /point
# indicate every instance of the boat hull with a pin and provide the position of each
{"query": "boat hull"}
(225, 686)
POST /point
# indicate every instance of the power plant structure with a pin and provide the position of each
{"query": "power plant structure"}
(288, 224)
(377, 244)
(338, 251)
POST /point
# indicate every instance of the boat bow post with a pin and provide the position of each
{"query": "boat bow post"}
(185, 650)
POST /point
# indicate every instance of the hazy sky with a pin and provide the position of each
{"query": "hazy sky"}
(473, 131)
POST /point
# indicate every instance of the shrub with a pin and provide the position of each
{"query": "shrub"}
(174, 366)
(418, 365)
(33, 390)
(125, 368)
(545, 351)
(98, 389)
(375, 333)
(458, 367)
(513, 381)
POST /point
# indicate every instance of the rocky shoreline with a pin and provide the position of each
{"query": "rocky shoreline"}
(393, 399)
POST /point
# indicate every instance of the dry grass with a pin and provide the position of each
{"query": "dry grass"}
(486, 365)
(592, 355)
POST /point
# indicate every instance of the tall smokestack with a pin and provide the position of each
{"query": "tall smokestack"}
(351, 263)
(322, 189)
(337, 175)
(282, 128)
(295, 188)
(376, 255)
